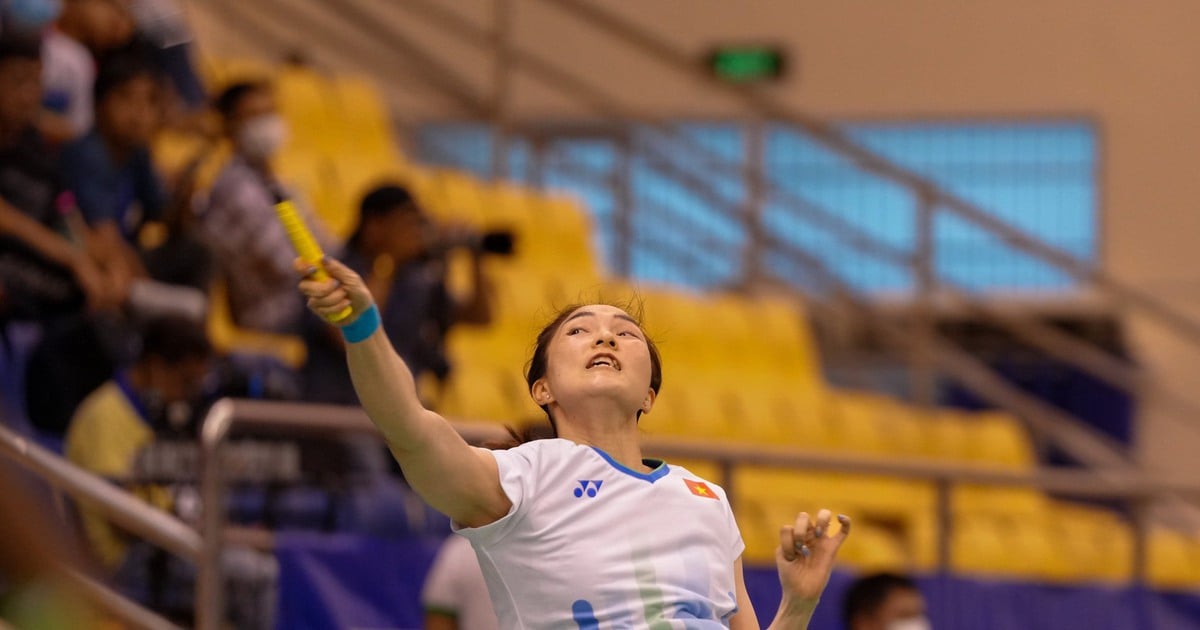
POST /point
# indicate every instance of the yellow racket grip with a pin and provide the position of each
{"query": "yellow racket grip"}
(305, 245)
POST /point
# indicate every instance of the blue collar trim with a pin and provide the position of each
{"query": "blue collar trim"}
(660, 467)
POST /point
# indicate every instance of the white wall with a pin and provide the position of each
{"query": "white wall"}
(1131, 66)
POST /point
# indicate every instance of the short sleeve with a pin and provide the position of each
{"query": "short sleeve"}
(517, 475)
(736, 544)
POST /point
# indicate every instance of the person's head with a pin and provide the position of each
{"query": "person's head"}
(175, 359)
(128, 101)
(20, 82)
(885, 601)
(251, 119)
(101, 25)
(390, 222)
(594, 354)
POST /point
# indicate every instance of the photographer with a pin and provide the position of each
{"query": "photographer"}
(401, 255)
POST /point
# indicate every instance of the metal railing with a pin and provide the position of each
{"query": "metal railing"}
(115, 505)
(291, 418)
(932, 290)
(205, 547)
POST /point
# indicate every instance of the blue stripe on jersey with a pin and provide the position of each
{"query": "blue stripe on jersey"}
(660, 467)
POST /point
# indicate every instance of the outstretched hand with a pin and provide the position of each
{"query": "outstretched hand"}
(331, 296)
(806, 555)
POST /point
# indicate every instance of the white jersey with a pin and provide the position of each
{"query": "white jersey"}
(591, 544)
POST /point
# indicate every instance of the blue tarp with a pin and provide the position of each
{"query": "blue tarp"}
(349, 581)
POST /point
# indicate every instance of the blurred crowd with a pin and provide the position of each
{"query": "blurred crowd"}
(108, 269)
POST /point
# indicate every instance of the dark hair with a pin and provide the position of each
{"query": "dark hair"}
(527, 432)
(20, 46)
(174, 340)
(382, 200)
(228, 100)
(536, 368)
(120, 69)
(868, 593)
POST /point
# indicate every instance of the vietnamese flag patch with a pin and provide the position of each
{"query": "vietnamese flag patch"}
(700, 489)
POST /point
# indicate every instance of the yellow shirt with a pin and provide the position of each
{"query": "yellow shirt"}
(104, 437)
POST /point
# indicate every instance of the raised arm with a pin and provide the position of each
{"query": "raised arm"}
(457, 479)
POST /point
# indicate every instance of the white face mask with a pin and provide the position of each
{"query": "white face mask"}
(913, 623)
(263, 136)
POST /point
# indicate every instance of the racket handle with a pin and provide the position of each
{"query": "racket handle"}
(305, 245)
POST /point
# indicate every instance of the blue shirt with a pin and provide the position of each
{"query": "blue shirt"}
(129, 193)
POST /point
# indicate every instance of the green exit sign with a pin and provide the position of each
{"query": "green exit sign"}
(747, 63)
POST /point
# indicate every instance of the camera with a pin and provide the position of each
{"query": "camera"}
(493, 242)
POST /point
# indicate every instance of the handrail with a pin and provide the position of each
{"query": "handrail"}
(1044, 337)
(224, 415)
(116, 604)
(437, 74)
(769, 107)
(1104, 483)
(114, 504)
(1092, 483)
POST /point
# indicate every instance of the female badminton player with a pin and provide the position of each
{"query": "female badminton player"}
(579, 531)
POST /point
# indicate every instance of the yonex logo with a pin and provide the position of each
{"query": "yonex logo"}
(589, 487)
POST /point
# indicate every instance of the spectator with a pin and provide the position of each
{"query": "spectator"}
(885, 601)
(124, 416)
(118, 419)
(401, 257)
(84, 29)
(112, 175)
(163, 25)
(110, 169)
(455, 596)
(41, 271)
(27, 17)
(239, 218)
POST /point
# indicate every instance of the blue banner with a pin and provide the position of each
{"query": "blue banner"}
(335, 581)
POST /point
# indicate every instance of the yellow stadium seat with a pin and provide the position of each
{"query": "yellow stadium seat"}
(857, 422)
(1006, 545)
(220, 72)
(785, 336)
(782, 414)
(486, 345)
(364, 121)
(1098, 545)
(313, 179)
(949, 437)
(899, 507)
(465, 199)
(999, 439)
(1173, 559)
(873, 548)
(562, 238)
(705, 469)
(483, 393)
(304, 99)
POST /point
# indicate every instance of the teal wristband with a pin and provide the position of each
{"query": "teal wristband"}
(363, 327)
